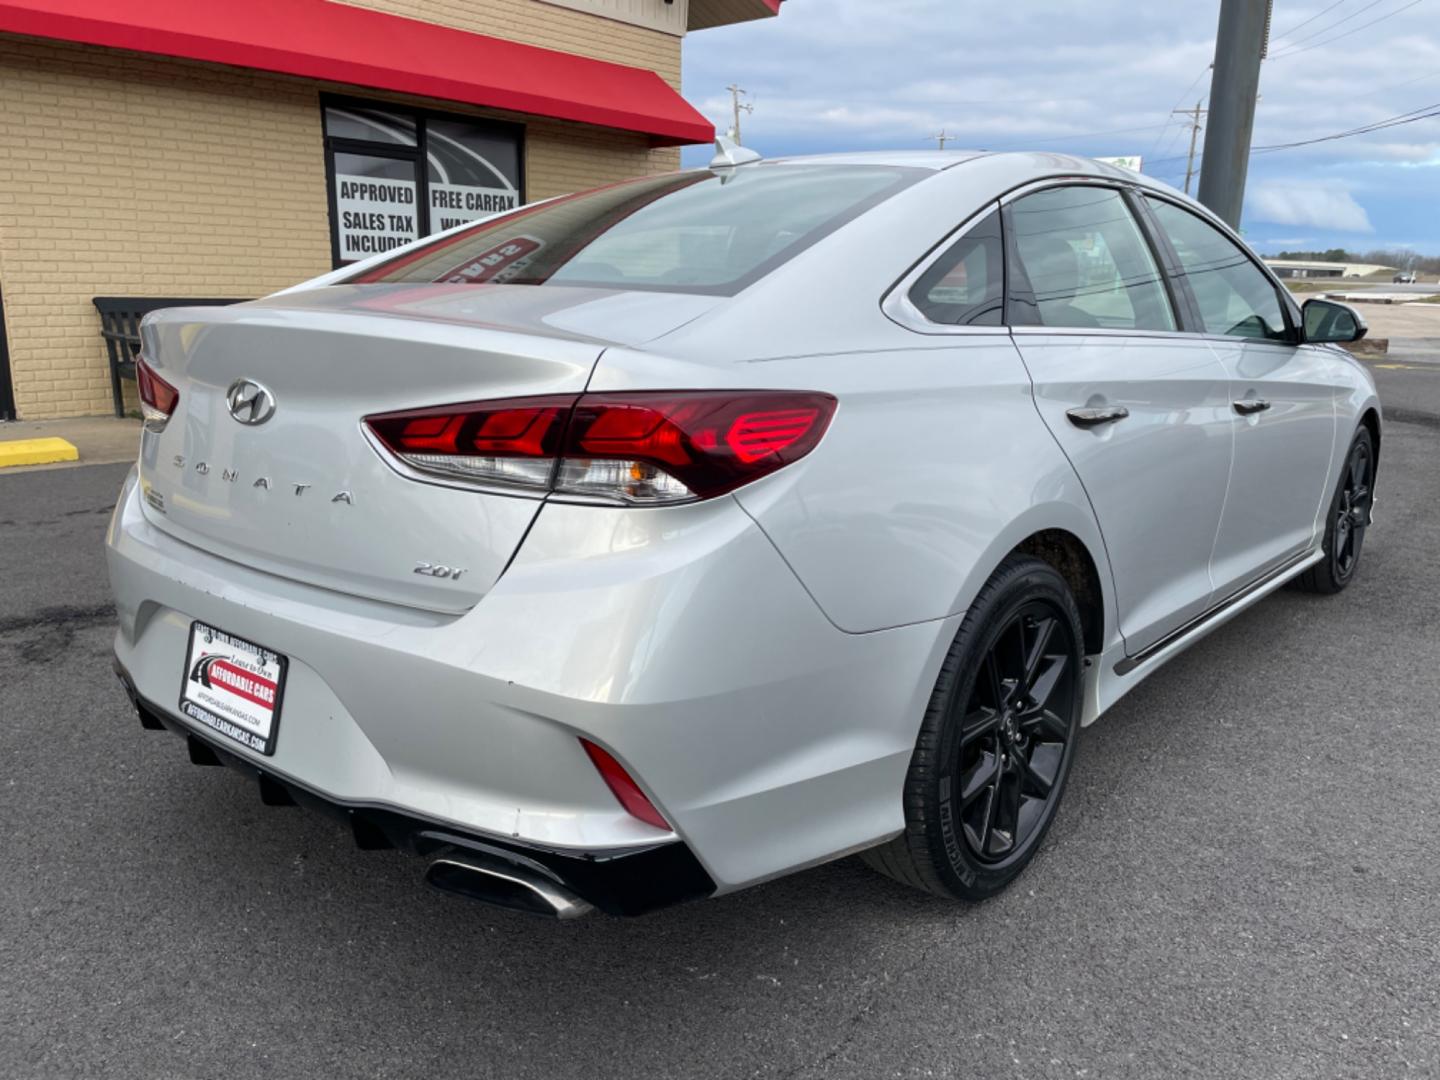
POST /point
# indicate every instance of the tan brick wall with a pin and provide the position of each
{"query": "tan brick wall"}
(550, 27)
(133, 176)
(129, 176)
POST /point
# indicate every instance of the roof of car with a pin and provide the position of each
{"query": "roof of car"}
(1038, 161)
(913, 159)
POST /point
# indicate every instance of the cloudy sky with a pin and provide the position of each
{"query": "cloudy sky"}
(1100, 77)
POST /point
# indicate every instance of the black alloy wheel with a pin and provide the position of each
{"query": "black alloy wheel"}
(1352, 512)
(997, 741)
(1012, 738)
(1347, 521)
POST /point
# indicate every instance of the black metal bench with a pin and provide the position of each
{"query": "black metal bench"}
(120, 327)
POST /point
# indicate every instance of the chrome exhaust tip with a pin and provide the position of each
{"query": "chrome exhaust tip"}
(512, 887)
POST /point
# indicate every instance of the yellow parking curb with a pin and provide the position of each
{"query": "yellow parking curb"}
(36, 452)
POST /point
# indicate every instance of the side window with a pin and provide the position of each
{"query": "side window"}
(1087, 262)
(1234, 297)
(965, 286)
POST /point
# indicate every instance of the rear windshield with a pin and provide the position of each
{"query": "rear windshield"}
(695, 232)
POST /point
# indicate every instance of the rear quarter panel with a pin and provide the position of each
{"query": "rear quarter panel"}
(935, 466)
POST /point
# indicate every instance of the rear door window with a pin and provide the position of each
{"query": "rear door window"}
(1086, 263)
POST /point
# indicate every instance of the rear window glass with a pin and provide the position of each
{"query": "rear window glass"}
(697, 232)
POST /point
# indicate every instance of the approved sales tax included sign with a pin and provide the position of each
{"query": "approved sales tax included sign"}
(233, 686)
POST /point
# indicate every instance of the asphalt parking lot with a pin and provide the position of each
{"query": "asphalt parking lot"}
(1244, 880)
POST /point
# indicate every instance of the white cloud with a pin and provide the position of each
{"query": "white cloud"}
(1307, 202)
(854, 74)
(1099, 78)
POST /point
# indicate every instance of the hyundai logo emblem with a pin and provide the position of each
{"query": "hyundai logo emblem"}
(249, 402)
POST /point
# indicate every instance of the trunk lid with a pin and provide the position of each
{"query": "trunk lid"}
(305, 495)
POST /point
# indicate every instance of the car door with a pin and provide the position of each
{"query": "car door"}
(1283, 399)
(1142, 410)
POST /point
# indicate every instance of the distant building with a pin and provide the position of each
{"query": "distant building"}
(1298, 268)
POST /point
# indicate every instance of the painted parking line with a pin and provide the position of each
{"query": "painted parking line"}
(1392, 366)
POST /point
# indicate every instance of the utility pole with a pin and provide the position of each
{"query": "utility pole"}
(1240, 45)
(737, 107)
(942, 138)
(1195, 129)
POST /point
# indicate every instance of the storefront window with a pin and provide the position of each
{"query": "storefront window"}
(398, 174)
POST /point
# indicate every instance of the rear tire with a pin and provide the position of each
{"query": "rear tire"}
(1346, 520)
(997, 741)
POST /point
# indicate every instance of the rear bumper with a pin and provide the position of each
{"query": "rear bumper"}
(625, 882)
(676, 639)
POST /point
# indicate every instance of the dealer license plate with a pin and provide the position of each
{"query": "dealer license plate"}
(233, 687)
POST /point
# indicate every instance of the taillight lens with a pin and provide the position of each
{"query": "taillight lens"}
(663, 447)
(624, 788)
(514, 442)
(643, 448)
(157, 397)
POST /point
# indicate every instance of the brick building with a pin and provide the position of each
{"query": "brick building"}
(177, 148)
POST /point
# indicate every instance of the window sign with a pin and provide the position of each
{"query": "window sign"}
(470, 172)
(375, 205)
(398, 174)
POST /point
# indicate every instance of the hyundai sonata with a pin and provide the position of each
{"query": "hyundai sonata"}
(646, 543)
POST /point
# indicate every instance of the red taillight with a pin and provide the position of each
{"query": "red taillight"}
(157, 397)
(624, 788)
(504, 442)
(664, 447)
(637, 448)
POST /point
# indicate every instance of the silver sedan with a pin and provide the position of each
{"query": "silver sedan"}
(649, 542)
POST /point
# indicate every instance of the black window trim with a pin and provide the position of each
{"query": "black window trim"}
(1182, 297)
(1288, 305)
(422, 116)
(914, 281)
(897, 306)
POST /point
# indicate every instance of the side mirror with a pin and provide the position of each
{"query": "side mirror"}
(1327, 322)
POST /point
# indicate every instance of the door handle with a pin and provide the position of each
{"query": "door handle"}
(1250, 406)
(1094, 416)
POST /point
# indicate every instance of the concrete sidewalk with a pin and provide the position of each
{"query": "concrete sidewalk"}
(1403, 322)
(99, 439)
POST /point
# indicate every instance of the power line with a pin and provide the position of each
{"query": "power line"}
(1347, 33)
(1169, 144)
(1379, 125)
(1425, 112)
(1308, 21)
(1337, 22)
(1183, 95)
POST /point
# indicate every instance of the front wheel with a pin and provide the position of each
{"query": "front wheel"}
(997, 741)
(1347, 520)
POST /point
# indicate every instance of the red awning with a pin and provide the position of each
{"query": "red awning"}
(319, 39)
